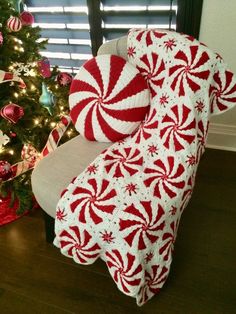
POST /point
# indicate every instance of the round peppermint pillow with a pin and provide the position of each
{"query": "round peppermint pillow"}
(108, 99)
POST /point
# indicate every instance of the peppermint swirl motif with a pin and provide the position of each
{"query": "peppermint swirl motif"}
(189, 70)
(109, 98)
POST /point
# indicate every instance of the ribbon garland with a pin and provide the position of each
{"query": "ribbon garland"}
(51, 144)
(9, 77)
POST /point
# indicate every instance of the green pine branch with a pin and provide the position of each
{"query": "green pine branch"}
(36, 124)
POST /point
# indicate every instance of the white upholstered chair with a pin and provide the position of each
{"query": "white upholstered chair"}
(53, 174)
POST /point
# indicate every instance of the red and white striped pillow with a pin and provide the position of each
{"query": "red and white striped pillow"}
(108, 99)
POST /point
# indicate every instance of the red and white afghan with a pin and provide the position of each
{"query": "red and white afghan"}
(126, 206)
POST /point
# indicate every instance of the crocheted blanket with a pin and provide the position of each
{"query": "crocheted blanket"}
(126, 206)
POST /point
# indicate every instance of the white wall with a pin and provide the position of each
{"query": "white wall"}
(218, 31)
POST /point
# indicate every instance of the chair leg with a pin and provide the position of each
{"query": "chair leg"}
(49, 228)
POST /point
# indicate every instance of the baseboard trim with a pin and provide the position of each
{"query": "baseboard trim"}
(213, 146)
(222, 136)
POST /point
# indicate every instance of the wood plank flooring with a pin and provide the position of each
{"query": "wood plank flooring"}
(36, 278)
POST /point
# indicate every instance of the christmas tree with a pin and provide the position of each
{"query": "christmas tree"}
(33, 99)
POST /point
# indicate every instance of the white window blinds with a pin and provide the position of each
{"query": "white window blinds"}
(65, 24)
(119, 16)
(70, 25)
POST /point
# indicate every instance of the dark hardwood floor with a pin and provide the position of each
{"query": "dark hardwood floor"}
(36, 278)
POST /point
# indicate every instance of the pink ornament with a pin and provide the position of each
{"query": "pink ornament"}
(12, 134)
(64, 79)
(14, 24)
(12, 112)
(29, 154)
(5, 170)
(44, 67)
(26, 18)
(1, 38)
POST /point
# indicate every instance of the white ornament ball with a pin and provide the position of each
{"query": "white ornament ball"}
(14, 24)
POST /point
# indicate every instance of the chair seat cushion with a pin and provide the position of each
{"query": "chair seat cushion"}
(54, 172)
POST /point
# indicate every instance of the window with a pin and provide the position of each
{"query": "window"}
(118, 19)
(65, 24)
(76, 28)
(112, 19)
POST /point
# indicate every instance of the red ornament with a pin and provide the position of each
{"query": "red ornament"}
(14, 24)
(26, 18)
(1, 38)
(12, 112)
(5, 170)
(44, 67)
(64, 79)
